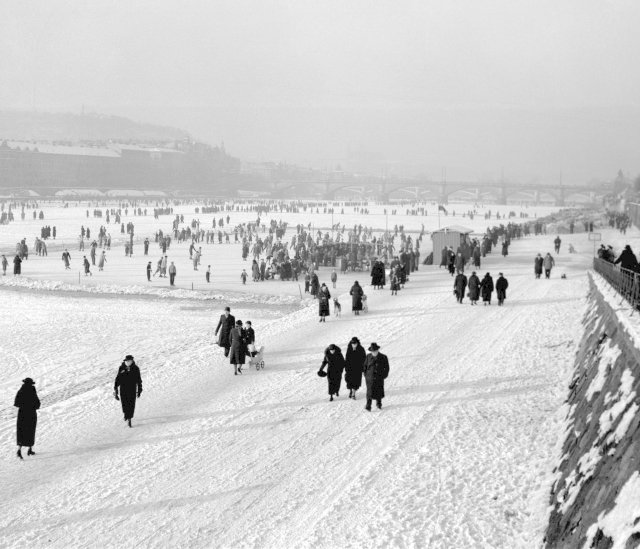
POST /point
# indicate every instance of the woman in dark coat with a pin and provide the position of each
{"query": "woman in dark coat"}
(315, 284)
(323, 302)
(129, 382)
(237, 347)
(356, 297)
(334, 361)
(17, 265)
(354, 361)
(474, 288)
(27, 402)
(486, 289)
(376, 370)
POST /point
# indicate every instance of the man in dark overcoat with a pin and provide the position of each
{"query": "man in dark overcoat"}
(501, 288)
(225, 325)
(334, 361)
(459, 286)
(376, 370)
(129, 382)
(28, 403)
(354, 362)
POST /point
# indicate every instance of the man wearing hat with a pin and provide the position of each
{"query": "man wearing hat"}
(129, 382)
(376, 370)
(225, 325)
(501, 289)
(237, 347)
(27, 402)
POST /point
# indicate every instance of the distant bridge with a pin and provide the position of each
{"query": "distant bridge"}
(481, 191)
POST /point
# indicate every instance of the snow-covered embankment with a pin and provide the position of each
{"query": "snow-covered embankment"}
(595, 500)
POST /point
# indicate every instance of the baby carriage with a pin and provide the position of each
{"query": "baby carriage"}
(256, 356)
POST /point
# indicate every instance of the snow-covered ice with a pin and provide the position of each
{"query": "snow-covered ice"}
(461, 455)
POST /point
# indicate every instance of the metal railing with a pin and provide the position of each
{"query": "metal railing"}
(624, 281)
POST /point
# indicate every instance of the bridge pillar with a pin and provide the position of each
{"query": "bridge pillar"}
(478, 196)
(536, 197)
(443, 197)
(560, 199)
(502, 199)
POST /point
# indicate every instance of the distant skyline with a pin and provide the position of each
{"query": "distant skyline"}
(479, 88)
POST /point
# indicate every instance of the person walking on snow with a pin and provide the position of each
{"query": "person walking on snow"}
(537, 265)
(501, 289)
(376, 370)
(474, 288)
(225, 325)
(486, 289)
(323, 302)
(66, 257)
(556, 244)
(149, 271)
(334, 278)
(129, 382)
(5, 264)
(459, 286)
(28, 403)
(237, 347)
(172, 274)
(102, 261)
(207, 274)
(87, 266)
(334, 361)
(354, 362)
(243, 276)
(548, 264)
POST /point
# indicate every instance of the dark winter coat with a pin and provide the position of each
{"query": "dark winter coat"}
(323, 301)
(376, 370)
(335, 365)
(27, 402)
(17, 265)
(251, 335)
(486, 288)
(237, 345)
(356, 297)
(501, 287)
(354, 362)
(537, 265)
(474, 288)
(225, 324)
(130, 384)
(627, 260)
(315, 285)
(460, 285)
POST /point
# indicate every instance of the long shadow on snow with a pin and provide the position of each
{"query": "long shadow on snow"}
(483, 396)
(127, 510)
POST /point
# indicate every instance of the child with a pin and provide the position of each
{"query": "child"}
(243, 276)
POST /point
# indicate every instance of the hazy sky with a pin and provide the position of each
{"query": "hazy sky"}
(533, 88)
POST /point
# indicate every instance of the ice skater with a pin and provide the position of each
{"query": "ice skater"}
(129, 382)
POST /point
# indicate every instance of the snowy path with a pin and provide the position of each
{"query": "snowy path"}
(460, 456)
